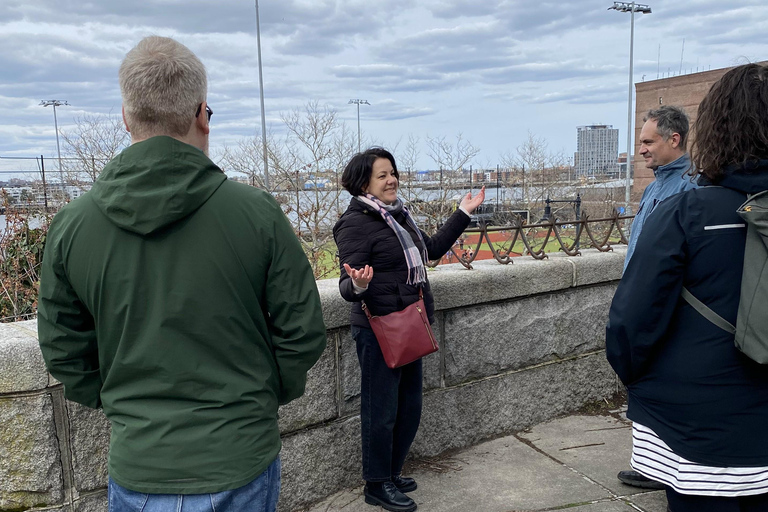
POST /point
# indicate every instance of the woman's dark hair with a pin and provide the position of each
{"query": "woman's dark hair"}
(732, 123)
(357, 173)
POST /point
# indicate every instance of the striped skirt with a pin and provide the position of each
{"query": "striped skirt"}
(652, 458)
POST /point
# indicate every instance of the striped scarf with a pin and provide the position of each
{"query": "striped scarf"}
(417, 273)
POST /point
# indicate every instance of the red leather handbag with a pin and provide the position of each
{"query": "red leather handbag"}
(404, 336)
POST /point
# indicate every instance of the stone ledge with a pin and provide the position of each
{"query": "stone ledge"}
(21, 364)
(489, 281)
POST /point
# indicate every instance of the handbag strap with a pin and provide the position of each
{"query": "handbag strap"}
(368, 313)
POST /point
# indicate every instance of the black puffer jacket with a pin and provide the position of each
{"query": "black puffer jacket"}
(364, 238)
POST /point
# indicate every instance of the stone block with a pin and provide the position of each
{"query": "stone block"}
(30, 464)
(89, 432)
(21, 364)
(318, 404)
(349, 374)
(432, 365)
(493, 338)
(96, 502)
(490, 281)
(594, 267)
(465, 415)
(318, 462)
(335, 308)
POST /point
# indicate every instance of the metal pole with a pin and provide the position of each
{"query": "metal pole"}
(261, 94)
(45, 191)
(358, 127)
(629, 111)
(58, 148)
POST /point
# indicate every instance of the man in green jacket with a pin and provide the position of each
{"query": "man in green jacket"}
(181, 303)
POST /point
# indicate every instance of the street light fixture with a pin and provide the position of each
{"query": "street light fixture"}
(632, 8)
(54, 104)
(358, 103)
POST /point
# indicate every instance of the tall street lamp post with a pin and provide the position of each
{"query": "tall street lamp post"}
(54, 104)
(358, 103)
(632, 8)
(261, 95)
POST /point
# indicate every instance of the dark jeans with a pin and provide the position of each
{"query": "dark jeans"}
(390, 408)
(690, 503)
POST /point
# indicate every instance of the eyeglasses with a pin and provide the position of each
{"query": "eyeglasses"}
(207, 111)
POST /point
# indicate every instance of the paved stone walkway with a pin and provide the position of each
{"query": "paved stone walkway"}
(568, 463)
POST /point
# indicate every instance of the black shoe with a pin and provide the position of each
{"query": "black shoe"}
(404, 483)
(386, 495)
(635, 479)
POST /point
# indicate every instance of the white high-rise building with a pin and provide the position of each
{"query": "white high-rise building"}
(597, 150)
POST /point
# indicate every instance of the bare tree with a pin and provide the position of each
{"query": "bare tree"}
(538, 172)
(310, 160)
(90, 145)
(407, 166)
(451, 158)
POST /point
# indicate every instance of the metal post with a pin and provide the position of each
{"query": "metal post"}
(261, 94)
(644, 9)
(629, 110)
(58, 147)
(358, 103)
(45, 192)
(54, 104)
(358, 127)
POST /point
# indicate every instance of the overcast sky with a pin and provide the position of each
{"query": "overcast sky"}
(492, 70)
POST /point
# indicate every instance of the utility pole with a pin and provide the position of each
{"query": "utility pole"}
(54, 104)
(358, 103)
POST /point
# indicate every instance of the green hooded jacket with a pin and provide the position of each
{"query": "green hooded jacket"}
(183, 304)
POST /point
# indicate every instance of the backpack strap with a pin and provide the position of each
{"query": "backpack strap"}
(706, 312)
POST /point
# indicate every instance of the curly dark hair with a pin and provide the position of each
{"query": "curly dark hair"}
(732, 123)
(357, 173)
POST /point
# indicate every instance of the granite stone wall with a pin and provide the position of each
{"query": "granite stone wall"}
(520, 344)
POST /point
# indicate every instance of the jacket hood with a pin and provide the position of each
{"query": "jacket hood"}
(155, 183)
(749, 178)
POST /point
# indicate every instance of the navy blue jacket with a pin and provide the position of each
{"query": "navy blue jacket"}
(685, 378)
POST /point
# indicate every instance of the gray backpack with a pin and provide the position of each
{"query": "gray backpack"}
(751, 331)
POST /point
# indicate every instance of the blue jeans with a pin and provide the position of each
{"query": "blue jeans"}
(390, 408)
(260, 495)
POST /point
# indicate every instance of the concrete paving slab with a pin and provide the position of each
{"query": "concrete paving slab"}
(596, 446)
(497, 476)
(653, 501)
(569, 463)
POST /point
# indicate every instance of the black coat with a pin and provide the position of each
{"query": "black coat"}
(364, 238)
(685, 378)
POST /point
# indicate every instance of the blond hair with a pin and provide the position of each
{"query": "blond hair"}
(162, 83)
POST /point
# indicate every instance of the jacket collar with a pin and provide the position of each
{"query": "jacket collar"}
(674, 168)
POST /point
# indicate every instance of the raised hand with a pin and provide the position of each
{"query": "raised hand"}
(361, 277)
(470, 203)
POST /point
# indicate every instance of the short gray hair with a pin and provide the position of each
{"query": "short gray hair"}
(162, 83)
(670, 120)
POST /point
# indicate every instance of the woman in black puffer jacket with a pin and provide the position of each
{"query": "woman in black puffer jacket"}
(382, 253)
